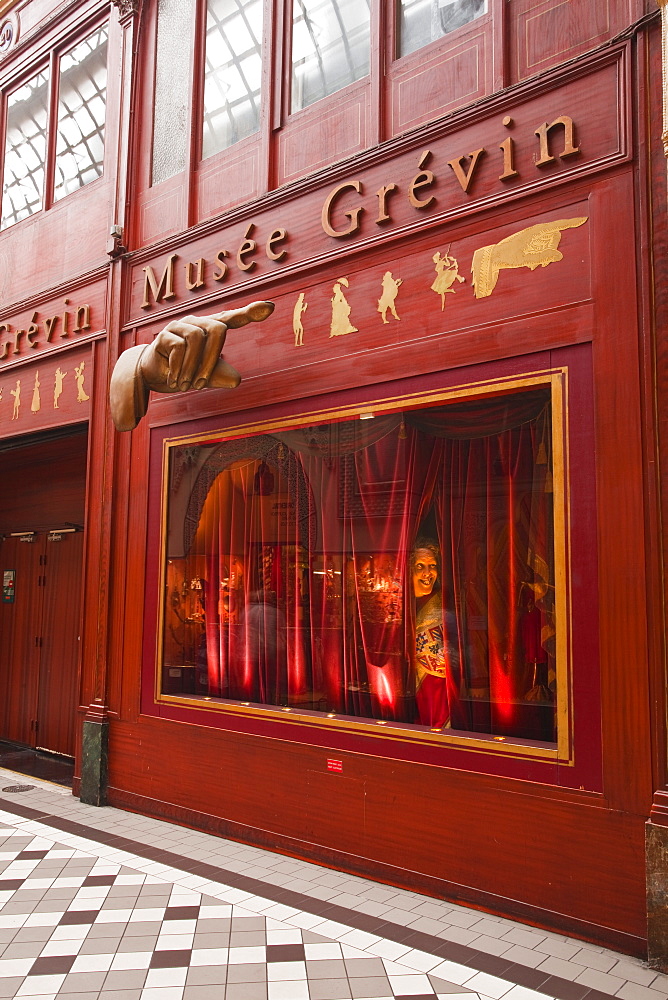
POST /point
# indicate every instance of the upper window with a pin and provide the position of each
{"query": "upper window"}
(75, 134)
(233, 73)
(423, 21)
(400, 569)
(327, 48)
(330, 47)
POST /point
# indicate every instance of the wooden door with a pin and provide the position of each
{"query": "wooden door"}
(19, 639)
(45, 483)
(39, 647)
(58, 694)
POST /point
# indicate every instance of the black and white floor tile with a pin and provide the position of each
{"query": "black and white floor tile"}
(79, 919)
(103, 904)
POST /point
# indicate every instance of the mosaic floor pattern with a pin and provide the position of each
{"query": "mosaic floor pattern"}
(82, 920)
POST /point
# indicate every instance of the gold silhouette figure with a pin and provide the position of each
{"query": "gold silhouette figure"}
(79, 373)
(36, 403)
(533, 247)
(447, 272)
(389, 295)
(58, 386)
(297, 326)
(16, 393)
(340, 311)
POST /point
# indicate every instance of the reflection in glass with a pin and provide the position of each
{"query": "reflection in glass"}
(82, 100)
(25, 150)
(176, 20)
(400, 568)
(423, 21)
(233, 74)
(330, 47)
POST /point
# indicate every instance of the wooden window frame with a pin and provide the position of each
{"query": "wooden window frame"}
(225, 710)
(50, 62)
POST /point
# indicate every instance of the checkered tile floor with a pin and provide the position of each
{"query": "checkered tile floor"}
(85, 920)
(73, 924)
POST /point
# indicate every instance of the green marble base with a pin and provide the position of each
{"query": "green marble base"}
(656, 863)
(94, 763)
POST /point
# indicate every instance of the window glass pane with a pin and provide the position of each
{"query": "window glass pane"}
(233, 75)
(330, 47)
(173, 85)
(25, 150)
(422, 21)
(82, 99)
(398, 569)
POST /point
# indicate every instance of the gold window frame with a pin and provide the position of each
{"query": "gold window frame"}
(562, 752)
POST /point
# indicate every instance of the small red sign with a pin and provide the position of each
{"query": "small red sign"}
(334, 765)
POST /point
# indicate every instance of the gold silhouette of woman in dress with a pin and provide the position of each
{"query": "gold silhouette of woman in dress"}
(79, 373)
(36, 403)
(340, 311)
(447, 272)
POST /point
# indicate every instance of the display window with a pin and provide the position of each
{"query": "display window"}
(400, 565)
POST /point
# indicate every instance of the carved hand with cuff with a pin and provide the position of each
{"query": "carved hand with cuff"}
(184, 355)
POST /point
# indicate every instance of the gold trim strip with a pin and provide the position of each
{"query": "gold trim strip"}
(489, 387)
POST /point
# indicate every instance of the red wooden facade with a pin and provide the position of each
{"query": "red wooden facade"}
(535, 112)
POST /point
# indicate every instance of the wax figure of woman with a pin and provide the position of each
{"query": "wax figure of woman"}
(436, 655)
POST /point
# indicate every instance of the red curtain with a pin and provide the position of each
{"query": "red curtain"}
(307, 539)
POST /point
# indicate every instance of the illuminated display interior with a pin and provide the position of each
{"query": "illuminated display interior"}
(397, 568)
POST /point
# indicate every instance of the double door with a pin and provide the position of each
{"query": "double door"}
(39, 638)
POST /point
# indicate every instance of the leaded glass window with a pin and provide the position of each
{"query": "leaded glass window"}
(25, 149)
(81, 114)
(423, 21)
(330, 47)
(79, 130)
(233, 73)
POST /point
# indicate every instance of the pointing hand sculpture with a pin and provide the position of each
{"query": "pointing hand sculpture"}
(184, 355)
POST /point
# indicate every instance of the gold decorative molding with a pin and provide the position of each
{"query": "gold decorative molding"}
(663, 6)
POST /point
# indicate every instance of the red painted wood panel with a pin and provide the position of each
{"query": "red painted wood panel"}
(330, 130)
(26, 472)
(46, 394)
(568, 856)
(58, 695)
(548, 32)
(437, 79)
(19, 629)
